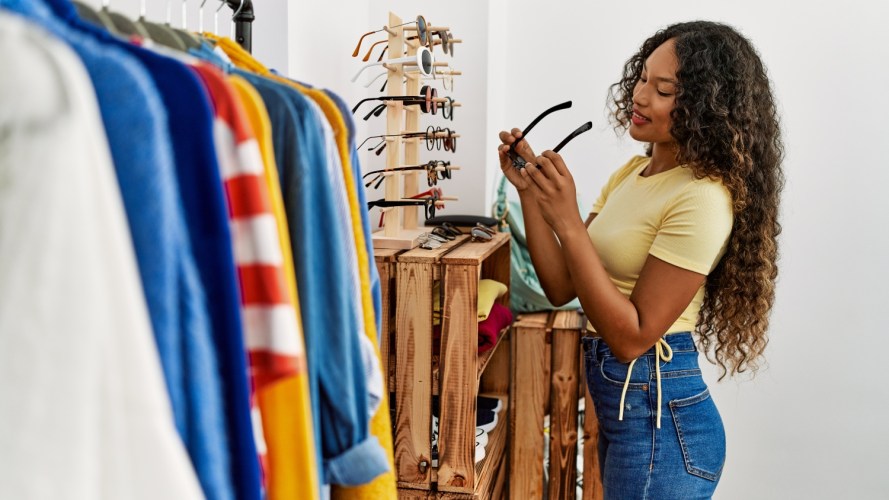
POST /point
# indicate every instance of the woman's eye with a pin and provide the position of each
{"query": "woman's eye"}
(663, 94)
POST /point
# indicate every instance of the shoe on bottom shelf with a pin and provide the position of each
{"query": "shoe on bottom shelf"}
(481, 441)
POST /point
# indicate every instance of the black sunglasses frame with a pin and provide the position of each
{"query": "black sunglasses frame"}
(518, 161)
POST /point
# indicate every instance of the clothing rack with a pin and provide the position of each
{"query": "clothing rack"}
(243, 19)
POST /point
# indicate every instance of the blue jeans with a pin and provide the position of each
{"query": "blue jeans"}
(681, 460)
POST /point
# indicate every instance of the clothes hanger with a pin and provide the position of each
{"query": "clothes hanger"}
(187, 38)
(87, 13)
(216, 17)
(163, 34)
(125, 26)
(105, 20)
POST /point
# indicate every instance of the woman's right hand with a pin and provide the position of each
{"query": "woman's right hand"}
(514, 175)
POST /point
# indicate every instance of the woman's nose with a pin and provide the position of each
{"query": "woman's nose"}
(640, 96)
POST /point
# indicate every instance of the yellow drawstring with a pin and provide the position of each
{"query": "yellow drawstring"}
(659, 354)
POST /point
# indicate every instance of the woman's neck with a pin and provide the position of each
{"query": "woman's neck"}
(663, 158)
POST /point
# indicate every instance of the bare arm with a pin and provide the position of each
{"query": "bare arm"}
(630, 326)
(546, 252)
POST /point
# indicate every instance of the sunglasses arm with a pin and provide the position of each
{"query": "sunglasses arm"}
(403, 60)
(583, 128)
(368, 84)
(518, 161)
(362, 102)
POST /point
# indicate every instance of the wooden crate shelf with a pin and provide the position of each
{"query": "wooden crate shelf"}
(458, 266)
(483, 360)
(547, 377)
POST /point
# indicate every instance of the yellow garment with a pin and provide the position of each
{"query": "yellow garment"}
(673, 216)
(488, 293)
(380, 425)
(285, 406)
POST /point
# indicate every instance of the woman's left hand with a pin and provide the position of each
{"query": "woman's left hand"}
(553, 189)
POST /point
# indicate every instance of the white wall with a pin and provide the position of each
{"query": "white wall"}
(811, 425)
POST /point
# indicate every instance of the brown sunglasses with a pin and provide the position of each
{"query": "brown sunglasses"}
(422, 33)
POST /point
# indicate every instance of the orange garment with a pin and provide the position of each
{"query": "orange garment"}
(380, 425)
(285, 405)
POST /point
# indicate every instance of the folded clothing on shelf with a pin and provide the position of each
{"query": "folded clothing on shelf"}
(489, 329)
(488, 292)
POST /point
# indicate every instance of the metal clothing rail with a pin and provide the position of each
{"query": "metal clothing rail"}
(243, 18)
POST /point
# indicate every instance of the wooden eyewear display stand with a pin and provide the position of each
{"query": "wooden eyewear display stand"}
(397, 233)
(410, 279)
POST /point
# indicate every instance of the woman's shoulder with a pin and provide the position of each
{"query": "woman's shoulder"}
(703, 193)
(627, 168)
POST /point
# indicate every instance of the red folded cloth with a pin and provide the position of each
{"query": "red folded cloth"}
(488, 330)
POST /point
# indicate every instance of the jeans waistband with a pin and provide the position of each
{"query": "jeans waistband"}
(678, 342)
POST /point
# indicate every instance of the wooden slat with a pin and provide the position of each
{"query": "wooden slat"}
(592, 480)
(563, 416)
(526, 406)
(488, 470)
(459, 378)
(413, 393)
(456, 496)
(409, 494)
(394, 114)
(386, 254)
(495, 377)
(502, 484)
(568, 320)
(473, 253)
(386, 267)
(411, 146)
(484, 359)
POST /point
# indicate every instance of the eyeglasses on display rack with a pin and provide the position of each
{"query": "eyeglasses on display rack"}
(435, 170)
(428, 203)
(423, 60)
(427, 100)
(436, 138)
(445, 39)
(446, 77)
(419, 26)
(518, 161)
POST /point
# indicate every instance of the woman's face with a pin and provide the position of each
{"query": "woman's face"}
(655, 95)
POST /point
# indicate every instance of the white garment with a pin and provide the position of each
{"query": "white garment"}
(84, 413)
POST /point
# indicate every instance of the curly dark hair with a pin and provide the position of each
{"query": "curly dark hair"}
(726, 127)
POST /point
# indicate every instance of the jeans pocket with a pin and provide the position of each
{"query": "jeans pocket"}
(614, 373)
(701, 435)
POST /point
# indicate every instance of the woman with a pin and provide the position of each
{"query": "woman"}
(680, 240)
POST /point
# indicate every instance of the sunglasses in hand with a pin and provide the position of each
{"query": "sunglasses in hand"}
(518, 161)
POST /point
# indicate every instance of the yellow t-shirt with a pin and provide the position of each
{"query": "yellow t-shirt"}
(671, 215)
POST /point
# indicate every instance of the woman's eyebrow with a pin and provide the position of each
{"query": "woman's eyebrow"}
(659, 78)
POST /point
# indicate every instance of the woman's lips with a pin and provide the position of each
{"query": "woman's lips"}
(638, 118)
